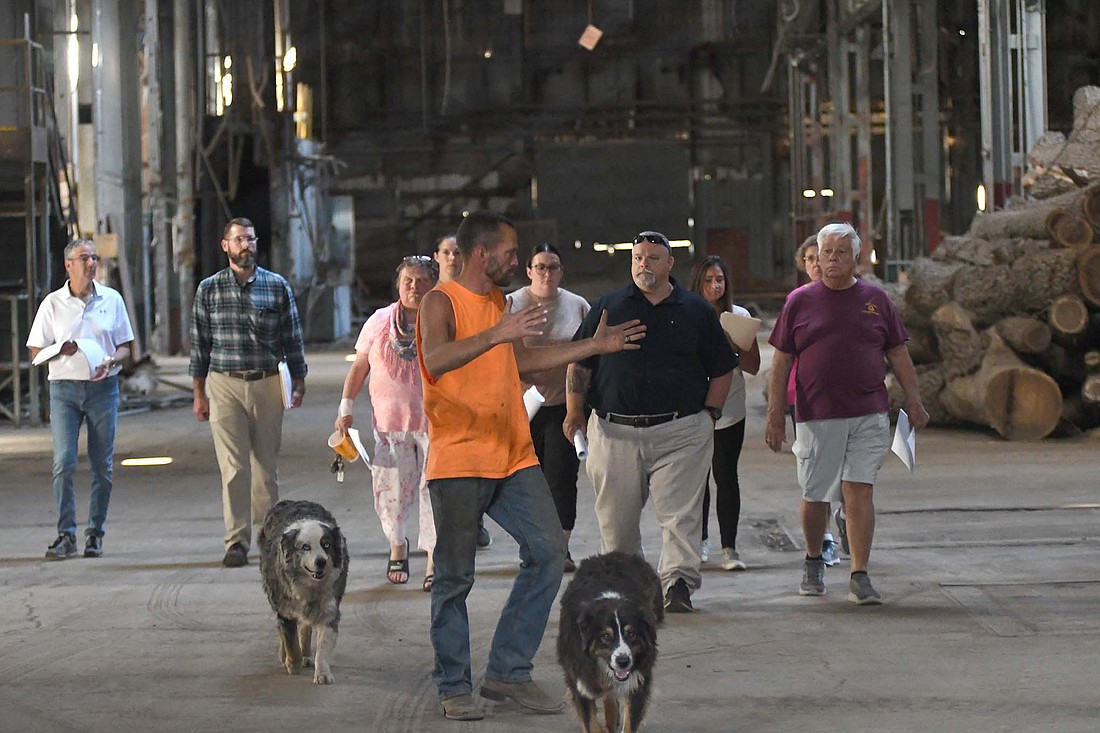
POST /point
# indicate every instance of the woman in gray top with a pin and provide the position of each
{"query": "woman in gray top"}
(565, 311)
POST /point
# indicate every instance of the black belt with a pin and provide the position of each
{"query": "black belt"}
(639, 421)
(252, 375)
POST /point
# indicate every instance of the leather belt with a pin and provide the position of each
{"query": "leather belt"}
(639, 421)
(252, 375)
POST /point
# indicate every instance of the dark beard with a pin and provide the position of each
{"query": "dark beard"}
(245, 260)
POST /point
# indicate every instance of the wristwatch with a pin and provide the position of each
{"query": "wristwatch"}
(714, 412)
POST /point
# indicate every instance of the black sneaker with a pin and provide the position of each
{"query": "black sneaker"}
(484, 539)
(63, 547)
(93, 547)
(678, 598)
(236, 556)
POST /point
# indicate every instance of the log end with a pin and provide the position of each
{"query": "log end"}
(1023, 403)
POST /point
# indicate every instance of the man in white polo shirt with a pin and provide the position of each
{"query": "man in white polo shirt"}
(88, 321)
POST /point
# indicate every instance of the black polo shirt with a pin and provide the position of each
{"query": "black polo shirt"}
(683, 349)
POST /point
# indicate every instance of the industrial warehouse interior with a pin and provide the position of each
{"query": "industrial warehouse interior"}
(960, 139)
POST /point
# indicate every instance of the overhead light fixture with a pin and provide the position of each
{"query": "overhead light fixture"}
(590, 37)
(809, 193)
(691, 221)
(827, 192)
(627, 246)
(576, 244)
(981, 197)
(290, 59)
(488, 53)
(874, 257)
(151, 461)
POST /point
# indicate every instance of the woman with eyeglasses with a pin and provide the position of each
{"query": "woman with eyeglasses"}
(386, 350)
(565, 311)
(710, 278)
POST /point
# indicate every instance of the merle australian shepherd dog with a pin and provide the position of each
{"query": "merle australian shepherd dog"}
(304, 565)
(607, 639)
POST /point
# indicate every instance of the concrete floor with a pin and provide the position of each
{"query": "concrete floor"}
(987, 558)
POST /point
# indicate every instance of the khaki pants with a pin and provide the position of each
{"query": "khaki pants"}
(668, 462)
(246, 419)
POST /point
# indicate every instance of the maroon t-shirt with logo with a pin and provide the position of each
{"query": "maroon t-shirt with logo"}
(840, 338)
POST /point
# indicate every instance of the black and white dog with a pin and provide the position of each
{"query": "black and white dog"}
(304, 565)
(607, 639)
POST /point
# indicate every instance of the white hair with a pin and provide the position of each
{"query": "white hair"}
(840, 230)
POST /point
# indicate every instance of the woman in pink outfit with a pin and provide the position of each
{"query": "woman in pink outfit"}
(386, 350)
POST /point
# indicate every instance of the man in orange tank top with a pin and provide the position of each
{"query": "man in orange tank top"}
(481, 460)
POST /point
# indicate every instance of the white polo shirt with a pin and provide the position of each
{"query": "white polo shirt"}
(64, 317)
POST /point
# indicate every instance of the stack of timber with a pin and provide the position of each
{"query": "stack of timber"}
(1005, 321)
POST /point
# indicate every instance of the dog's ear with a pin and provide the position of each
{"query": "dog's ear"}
(588, 625)
(289, 538)
(339, 548)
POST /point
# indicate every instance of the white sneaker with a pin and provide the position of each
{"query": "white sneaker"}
(731, 561)
(704, 554)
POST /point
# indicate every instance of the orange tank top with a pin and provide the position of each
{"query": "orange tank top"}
(477, 424)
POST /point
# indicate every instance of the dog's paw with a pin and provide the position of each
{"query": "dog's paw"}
(323, 677)
(293, 666)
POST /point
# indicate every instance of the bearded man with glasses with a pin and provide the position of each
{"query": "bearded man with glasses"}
(245, 322)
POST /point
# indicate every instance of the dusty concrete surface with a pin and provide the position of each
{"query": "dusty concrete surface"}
(987, 559)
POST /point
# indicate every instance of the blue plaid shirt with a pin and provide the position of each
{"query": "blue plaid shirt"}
(238, 327)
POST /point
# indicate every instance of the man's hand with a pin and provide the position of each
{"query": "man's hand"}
(623, 337)
(297, 392)
(574, 421)
(776, 433)
(102, 370)
(69, 348)
(343, 424)
(918, 416)
(531, 321)
(201, 408)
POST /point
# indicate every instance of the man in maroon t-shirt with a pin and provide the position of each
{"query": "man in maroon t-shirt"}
(839, 329)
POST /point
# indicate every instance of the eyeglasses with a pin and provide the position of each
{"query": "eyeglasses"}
(244, 240)
(652, 238)
(543, 269)
(810, 258)
(85, 258)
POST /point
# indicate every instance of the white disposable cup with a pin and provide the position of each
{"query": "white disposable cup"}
(532, 400)
(580, 443)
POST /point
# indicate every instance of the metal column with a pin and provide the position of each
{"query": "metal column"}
(995, 95)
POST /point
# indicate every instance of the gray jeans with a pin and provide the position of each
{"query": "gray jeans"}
(669, 462)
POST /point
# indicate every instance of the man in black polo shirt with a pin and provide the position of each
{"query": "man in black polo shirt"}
(651, 432)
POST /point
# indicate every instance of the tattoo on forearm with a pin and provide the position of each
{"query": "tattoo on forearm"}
(577, 380)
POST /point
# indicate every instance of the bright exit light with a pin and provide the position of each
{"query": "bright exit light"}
(153, 461)
(981, 197)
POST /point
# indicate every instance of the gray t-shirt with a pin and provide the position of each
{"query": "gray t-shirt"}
(566, 311)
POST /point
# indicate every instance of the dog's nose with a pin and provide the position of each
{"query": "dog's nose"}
(622, 661)
(321, 562)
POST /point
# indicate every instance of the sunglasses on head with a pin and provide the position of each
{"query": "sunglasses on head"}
(652, 238)
(422, 260)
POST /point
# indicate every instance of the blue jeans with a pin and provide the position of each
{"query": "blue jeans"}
(522, 506)
(71, 403)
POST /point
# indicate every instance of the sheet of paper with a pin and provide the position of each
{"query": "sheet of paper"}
(742, 329)
(93, 352)
(47, 353)
(905, 442)
(284, 379)
(358, 443)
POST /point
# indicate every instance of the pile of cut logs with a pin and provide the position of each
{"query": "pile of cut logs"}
(1004, 322)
